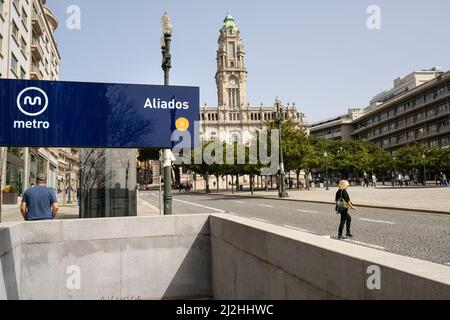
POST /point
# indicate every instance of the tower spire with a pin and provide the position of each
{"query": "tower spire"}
(229, 22)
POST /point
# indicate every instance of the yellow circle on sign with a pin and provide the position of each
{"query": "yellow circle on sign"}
(182, 124)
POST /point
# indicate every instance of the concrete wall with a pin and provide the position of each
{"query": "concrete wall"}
(10, 260)
(255, 260)
(199, 256)
(145, 258)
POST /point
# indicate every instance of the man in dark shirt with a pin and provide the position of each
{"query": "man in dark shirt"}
(39, 202)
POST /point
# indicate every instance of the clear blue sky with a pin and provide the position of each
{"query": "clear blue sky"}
(318, 54)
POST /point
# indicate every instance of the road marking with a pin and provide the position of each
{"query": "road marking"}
(328, 237)
(197, 205)
(366, 244)
(377, 221)
(295, 228)
(234, 214)
(306, 211)
(265, 205)
(240, 202)
(262, 220)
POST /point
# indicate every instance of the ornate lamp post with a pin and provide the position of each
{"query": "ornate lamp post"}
(424, 170)
(326, 169)
(69, 200)
(279, 121)
(167, 153)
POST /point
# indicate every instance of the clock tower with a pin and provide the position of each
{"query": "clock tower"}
(231, 75)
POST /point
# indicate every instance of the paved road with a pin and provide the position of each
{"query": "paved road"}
(420, 235)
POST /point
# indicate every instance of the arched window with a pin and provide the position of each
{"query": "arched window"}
(235, 138)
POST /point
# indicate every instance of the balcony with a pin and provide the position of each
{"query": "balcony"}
(36, 50)
(38, 24)
(36, 74)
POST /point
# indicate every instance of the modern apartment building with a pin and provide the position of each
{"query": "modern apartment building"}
(28, 50)
(418, 115)
(337, 128)
(405, 84)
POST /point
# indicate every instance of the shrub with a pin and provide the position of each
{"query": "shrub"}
(9, 189)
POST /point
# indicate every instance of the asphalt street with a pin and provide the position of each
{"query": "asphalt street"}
(420, 235)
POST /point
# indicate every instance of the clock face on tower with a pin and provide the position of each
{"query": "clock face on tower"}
(233, 82)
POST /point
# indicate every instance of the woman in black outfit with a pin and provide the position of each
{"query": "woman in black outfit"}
(346, 219)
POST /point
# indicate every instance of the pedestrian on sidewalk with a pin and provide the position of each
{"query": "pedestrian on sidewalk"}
(374, 181)
(39, 202)
(401, 180)
(366, 180)
(343, 202)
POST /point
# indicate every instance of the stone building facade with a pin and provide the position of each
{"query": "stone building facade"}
(234, 119)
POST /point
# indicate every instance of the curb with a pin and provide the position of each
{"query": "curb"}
(331, 203)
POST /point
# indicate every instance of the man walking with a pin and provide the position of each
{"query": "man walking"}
(39, 202)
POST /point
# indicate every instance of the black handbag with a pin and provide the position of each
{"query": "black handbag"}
(341, 204)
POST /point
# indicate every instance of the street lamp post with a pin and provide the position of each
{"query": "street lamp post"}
(167, 153)
(424, 171)
(326, 169)
(279, 120)
(69, 200)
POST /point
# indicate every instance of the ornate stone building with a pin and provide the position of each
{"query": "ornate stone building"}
(234, 119)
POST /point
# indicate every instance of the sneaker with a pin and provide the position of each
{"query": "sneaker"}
(349, 235)
(342, 237)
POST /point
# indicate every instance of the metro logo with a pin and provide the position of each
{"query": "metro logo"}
(34, 97)
(33, 102)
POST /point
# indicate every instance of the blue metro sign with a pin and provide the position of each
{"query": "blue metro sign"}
(94, 115)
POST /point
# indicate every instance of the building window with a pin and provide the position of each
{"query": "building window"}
(433, 128)
(231, 50)
(15, 31)
(16, 5)
(24, 18)
(443, 108)
(22, 73)
(433, 144)
(440, 91)
(234, 98)
(2, 6)
(14, 63)
(23, 46)
(420, 132)
(392, 126)
(419, 116)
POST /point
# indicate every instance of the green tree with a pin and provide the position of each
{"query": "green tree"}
(409, 157)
